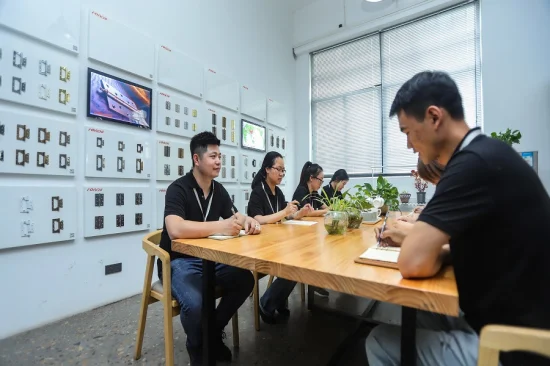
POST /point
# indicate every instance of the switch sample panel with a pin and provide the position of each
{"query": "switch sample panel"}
(37, 215)
(114, 210)
(229, 172)
(173, 160)
(224, 125)
(250, 165)
(36, 145)
(276, 141)
(114, 154)
(160, 196)
(178, 116)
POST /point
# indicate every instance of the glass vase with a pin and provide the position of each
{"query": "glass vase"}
(336, 222)
(354, 218)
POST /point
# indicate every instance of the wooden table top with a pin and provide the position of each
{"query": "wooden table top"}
(307, 254)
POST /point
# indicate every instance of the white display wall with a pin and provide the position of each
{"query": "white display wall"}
(80, 192)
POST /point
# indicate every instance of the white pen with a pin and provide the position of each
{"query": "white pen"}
(381, 231)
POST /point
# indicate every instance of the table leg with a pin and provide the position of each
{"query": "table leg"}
(208, 315)
(408, 336)
(310, 297)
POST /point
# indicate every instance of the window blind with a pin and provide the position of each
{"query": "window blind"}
(354, 84)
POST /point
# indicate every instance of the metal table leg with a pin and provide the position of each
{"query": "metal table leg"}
(408, 336)
(208, 308)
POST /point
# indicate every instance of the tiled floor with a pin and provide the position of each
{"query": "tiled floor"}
(106, 336)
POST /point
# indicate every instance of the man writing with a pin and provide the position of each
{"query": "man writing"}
(492, 210)
(193, 206)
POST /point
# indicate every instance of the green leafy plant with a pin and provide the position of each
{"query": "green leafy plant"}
(384, 189)
(510, 137)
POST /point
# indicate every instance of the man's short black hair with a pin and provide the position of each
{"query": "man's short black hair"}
(199, 143)
(425, 89)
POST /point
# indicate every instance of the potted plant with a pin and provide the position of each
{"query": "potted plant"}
(404, 196)
(510, 137)
(357, 204)
(336, 219)
(420, 185)
(385, 190)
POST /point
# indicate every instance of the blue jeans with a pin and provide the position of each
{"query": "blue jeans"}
(275, 296)
(236, 284)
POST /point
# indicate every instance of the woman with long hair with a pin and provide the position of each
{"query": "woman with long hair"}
(338, 181)
(311, 180)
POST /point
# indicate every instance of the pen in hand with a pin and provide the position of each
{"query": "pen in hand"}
(381, 231)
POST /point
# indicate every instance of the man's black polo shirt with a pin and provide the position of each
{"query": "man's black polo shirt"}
(181, 201)
(258, 203)
(497, 213)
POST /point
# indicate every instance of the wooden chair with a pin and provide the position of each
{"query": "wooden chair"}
(496, 338)
(157, 292)
(256, 293)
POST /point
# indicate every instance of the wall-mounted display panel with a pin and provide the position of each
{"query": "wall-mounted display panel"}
(221, 90)
(160, 197)
(115, 210)
(36, 145)
(253, 103)
(37, 215)
(178, 71)
(229, 172)
(57, 22)
(178, 116)
(235, 196)
(120, 46)
(114, 154)
(245, 197)
(224, 125)
(250, 165)
(276, 141)
(276, 114)
(253, 136)
(34, 74)
(173, 160)
(114, 99)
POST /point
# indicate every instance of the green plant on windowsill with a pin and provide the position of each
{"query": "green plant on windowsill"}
(383, 189)
(510, 137)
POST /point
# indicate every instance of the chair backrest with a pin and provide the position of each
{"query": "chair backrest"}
(153, 237)
(496, 338)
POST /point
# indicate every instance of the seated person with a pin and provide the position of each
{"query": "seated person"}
(194, 204)
(337, 183)
(311, 180)
(499, 259)
(267, 205)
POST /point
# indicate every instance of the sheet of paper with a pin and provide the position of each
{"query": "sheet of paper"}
(225, 237)
(381, 254)
(298, 222)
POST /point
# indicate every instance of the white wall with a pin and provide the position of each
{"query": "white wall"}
(250, 41)
(515, 71)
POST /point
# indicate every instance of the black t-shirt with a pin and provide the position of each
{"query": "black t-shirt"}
(497, 213)
(181, 201)
(314, 198)
(259, 205)
(330, 192)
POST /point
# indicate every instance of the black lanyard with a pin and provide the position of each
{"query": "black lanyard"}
(209, 203)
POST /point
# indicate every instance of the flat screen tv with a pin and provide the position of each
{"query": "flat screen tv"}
(252, 136)
(114, 99)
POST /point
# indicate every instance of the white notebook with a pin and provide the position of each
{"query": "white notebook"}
(299, 222)
(225, 237)
(380, 256)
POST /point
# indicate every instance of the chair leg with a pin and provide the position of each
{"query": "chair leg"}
(168, 334)
(144, 306)
(303, 292)
(235, 322)
(256, 302)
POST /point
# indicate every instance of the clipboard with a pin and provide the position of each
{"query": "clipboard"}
(380, 256)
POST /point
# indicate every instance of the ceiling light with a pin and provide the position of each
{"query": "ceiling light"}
(373, 1)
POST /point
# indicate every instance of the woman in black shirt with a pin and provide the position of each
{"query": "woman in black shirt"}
(311, 180)
(267, 205)
(338, 181)
(267, 202)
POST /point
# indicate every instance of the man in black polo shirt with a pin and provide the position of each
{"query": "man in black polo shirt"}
(193, 206)
(492, 210)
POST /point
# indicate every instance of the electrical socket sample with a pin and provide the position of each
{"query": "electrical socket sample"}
(114, 210)
(276, 141)
(178, 116)
(160, 196)
(224, 125)
(37, 215)
(36, 145)
(245, 197)
(173, 160)
(36, 74)
(250, 165)
(229, 172)
(114, 154)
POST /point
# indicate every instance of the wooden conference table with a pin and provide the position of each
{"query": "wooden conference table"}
(307, 254)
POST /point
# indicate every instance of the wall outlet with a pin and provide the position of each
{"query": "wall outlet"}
(113, 268)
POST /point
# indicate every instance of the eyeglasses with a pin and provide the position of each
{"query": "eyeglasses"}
(319, 179)
(279, 169)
